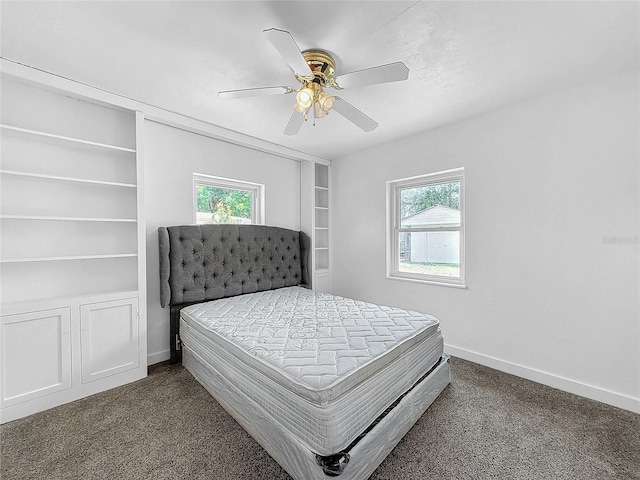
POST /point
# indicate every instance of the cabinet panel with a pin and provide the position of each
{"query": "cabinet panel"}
(322, 259)
(109, 338)
(36, 354)
(321, 283)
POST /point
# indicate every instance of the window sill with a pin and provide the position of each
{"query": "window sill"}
(461, 286)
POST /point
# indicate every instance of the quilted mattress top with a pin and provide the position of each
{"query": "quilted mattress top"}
(320, 344)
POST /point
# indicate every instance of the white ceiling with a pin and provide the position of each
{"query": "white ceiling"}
(464, 57)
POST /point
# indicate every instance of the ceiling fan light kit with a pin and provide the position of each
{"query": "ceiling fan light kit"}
(315, 70)
(312, 94)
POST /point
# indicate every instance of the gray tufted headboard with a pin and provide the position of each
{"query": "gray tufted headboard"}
(207, 262)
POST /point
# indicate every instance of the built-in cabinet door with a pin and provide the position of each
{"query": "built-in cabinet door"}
(321, 283)
(109, 338)
(36, 354)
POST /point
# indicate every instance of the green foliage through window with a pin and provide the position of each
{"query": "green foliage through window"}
(416, 199)
(224, 205)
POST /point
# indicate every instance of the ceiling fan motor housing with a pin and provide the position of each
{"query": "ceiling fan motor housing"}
(322, 66)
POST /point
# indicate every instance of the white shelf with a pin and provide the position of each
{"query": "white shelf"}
(322, 208)
(322, 228)
(67, 179)
(322, 248)
(66, 219)
(65, 258)
(322, 188)
(62, 138)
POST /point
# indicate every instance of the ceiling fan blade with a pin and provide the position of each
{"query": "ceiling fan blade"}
(287, 47)
(295, 122)
(354, 115)
(393, 72)
(254, 92)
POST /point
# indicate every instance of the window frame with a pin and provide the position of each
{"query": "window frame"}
(257, 190)
(394, 229)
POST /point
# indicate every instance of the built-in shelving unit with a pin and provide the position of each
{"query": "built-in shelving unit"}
(321, 227)
(73, 248)
(315, 221)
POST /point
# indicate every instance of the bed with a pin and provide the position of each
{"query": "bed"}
(327, 385)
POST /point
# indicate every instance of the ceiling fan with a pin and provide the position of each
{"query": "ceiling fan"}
(315, 70)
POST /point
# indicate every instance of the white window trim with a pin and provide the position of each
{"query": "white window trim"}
(393, 227)
(257, 190)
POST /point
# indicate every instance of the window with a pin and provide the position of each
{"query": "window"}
(425, 228)
(222, 200)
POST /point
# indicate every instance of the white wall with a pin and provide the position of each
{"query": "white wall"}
(171, 157)
(558, 177)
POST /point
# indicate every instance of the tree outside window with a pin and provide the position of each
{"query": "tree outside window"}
(223, 205)
(220, 200)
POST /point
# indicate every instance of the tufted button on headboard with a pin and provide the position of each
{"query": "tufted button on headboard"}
(206, 262)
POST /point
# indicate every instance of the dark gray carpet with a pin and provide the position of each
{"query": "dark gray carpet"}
(485, 425)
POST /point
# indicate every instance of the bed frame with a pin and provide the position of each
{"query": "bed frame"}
(199, 263)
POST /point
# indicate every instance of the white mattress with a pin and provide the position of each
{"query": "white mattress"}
(323, 367)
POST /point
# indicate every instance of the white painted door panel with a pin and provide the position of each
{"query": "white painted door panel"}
(36, 355)
(109, 338)
(321, 283)
(436, 247)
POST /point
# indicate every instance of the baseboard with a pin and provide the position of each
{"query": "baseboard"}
(158, 357)
(561, 383)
